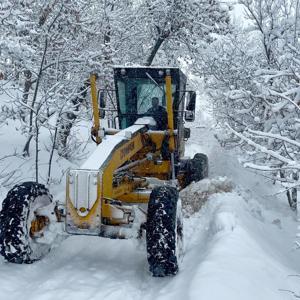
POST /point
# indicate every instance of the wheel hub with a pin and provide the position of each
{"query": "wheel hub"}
(37, 226)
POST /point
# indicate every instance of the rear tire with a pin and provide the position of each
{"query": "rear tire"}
(18, 208)
(164, 231)
(199, 167)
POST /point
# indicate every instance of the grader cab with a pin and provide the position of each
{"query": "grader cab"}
(129, 185)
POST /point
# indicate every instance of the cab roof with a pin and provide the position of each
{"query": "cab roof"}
(156, 72)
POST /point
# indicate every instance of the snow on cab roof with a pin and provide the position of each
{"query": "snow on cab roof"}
(143, 67)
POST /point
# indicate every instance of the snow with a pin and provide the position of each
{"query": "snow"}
(146, 121)
(237, 263)
(238, 246)
(263, 149)
(103, 151)
(134, 66)
(274, 136)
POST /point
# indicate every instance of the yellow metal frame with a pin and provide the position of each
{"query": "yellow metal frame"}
(170, 112)
(95, 108)
(94, 212)
(134, 149)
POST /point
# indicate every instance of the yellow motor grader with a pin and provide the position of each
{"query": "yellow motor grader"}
(129, 185)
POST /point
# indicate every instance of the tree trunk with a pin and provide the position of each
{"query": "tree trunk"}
(154, 50)
(27, 87)
(36, 151)
(288, 194)
(294, 192)
(51, 155)
(27, 145)
(67, 121)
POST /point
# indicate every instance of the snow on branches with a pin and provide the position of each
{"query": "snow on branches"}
(253, 78)
(49, 48)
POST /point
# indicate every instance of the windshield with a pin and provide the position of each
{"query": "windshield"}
(135, 98)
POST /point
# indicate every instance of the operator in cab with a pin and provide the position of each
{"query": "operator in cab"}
(159, 114)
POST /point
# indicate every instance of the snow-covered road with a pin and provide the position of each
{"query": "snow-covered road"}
(239, 246)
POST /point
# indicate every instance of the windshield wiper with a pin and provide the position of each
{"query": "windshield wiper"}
(153, 80)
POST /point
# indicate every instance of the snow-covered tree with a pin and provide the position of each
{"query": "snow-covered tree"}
(180, 28)
(49, 49)
(253, 78)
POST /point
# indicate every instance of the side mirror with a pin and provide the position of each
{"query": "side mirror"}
(191, 103)
(189, 116)
(102, 106)
(186, 133)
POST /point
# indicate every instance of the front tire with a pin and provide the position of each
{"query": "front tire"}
(164, 231)
(17, 242)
